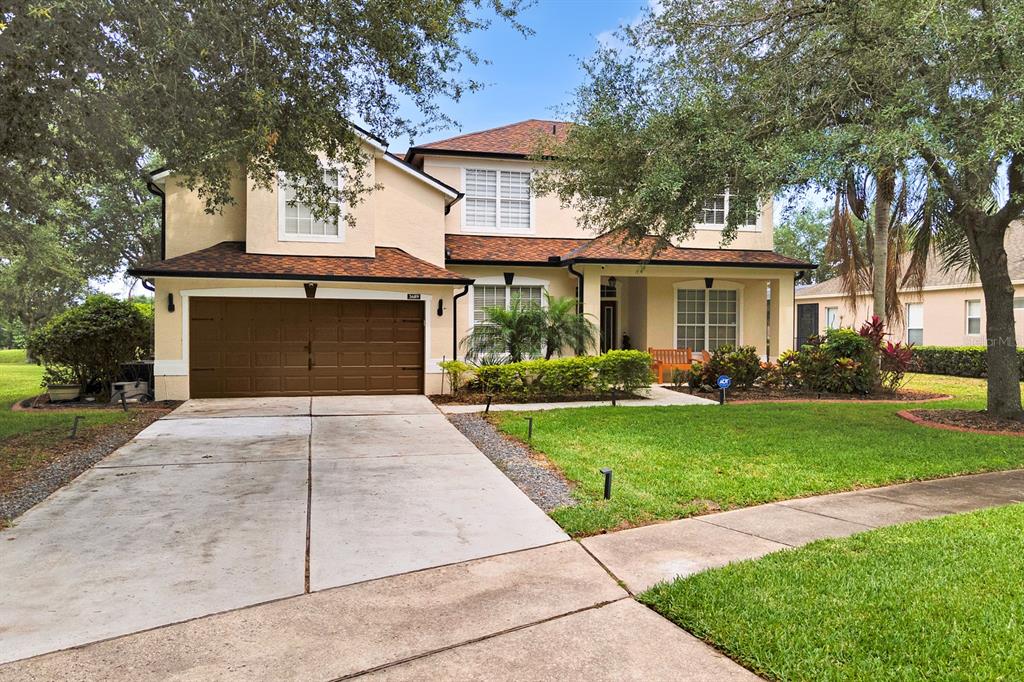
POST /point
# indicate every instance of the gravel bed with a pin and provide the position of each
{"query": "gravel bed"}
(58, 473)
(544, 486)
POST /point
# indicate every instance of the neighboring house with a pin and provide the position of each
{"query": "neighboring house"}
(264, 300)
(948, 310)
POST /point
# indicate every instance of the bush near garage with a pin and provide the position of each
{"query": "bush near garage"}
(90, 342)
(626, 371)
(959, 361)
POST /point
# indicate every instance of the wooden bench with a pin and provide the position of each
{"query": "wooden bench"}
(666, 360)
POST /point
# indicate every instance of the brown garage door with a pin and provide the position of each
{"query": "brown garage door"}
(271, 347)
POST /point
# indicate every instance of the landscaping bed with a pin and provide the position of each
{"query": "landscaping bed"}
(966, 420)
(765, 394)
(938, 599)
(529, 470)
(476, 398)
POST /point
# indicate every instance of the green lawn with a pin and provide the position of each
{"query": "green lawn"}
(26, 437)
(933, 600)
(671, 462)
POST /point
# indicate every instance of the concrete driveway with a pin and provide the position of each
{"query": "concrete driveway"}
(229, 503)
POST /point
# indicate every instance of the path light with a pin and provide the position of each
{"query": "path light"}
(607, 483)
(488, 408)
(613, 397)
(529, 428)
(74, 427)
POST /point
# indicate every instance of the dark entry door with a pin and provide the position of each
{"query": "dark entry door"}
(609, 325)
(242, 347)
(806, 322)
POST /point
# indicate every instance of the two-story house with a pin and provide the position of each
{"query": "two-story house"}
(265, 300)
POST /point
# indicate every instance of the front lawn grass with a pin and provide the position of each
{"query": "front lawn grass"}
(27, 438)
(933, 600)
(671, 462)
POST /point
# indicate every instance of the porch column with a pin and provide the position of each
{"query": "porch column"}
(592, 295)
(781, 332)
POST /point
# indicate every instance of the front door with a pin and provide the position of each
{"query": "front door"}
(806, 322)
(609, 325)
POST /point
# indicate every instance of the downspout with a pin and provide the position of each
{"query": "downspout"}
(156, 191)
(455, 321)
(579, 287)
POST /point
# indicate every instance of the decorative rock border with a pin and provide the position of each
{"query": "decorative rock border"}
(920, 421)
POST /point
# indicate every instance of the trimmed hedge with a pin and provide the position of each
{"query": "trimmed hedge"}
(958, 361)
(626, 371)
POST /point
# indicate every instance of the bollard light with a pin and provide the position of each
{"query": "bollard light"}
(614, 392)
(488, 408)
(607, 483)
(529, 428)
(74, 427)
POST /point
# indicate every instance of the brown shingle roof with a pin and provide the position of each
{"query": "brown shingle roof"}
(467, 249)
(229, 260)
(612, 248)
(515, 139)
(935, 275)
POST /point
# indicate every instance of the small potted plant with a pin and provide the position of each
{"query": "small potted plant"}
(60, 384)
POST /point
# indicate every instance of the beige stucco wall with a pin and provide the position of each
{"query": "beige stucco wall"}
(401, 211)
(191, 228)
(171, 344)
(945, 314)
(409, 214)
(551, 219)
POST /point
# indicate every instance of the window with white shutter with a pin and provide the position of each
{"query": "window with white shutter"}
(497, 200)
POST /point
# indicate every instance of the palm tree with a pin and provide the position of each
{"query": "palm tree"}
(507, 334)
(565, 327)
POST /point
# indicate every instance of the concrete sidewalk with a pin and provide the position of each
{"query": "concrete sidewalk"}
(660, 397)
(642, 557)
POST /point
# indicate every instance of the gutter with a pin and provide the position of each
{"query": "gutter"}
(579, 286)
(156, 191)
(455, 321)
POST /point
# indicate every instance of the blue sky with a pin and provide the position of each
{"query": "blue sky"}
(531, 76)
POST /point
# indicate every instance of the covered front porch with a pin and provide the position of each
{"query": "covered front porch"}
(700, 308)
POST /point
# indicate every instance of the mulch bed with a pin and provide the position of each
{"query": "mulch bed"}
(968, 421)
(42, 402)
(63, 460)
(775, 395)
(481, 399)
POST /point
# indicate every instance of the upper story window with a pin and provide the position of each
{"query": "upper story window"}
(716, 211)
(974, 317)
(497, 200)
(296, 221)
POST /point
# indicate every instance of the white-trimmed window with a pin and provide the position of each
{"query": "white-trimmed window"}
(974, 317)
(497, 200)
(915, 323)
(716, 212)
(706, 319)
(831, 317)
(296, 221)
(500, 296)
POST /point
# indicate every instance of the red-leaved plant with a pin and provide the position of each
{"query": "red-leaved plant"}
(894, 359)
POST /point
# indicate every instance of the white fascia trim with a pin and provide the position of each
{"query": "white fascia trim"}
(402, 166)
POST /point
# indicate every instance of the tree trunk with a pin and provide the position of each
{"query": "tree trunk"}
(885, 182)
(1002, 363)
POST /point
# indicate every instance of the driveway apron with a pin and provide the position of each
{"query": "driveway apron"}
(225, 504)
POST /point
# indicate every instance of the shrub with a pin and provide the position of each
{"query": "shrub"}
(457, 372)
(93, 340)
(961, 361)
(742, 365)
(625, 371)
(895, 361)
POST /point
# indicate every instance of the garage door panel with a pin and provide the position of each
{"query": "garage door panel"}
(263, 347)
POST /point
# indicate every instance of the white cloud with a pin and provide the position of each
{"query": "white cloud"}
(612, 39)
